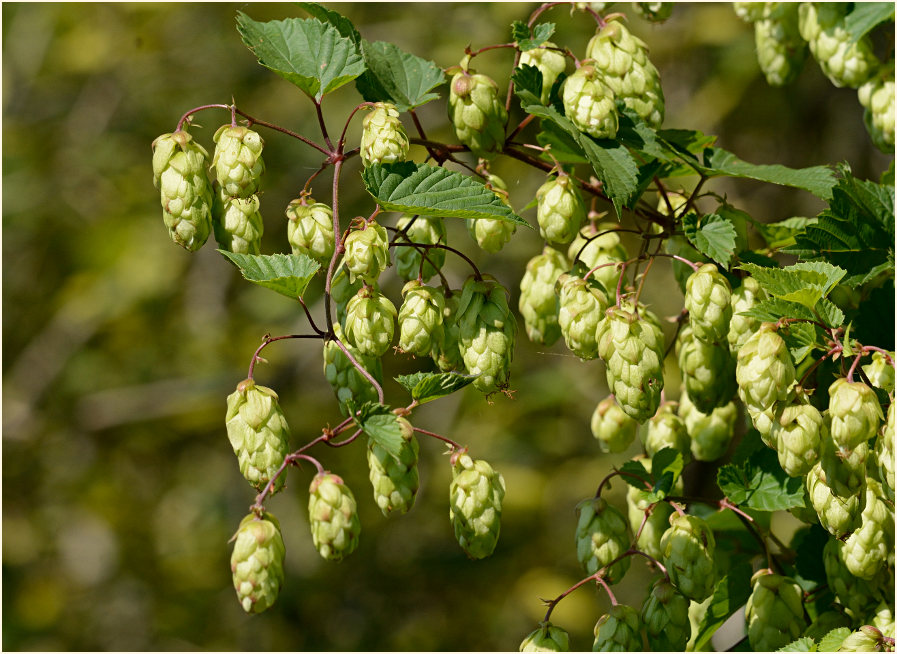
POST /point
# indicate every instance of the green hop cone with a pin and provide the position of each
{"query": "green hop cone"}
(855, 414)
(865, 639)
(602, 534)
(708, 371)
(383, 139)
(741, 328)
(764, 370)
(621, 59)
(710, 433)
(594, 250)
(238, 160)
(447, 355)
(798, 434)
(237, 223)
(487, 333)
(858, 596)
(547, 638)
(877, 97)
(655, 12)
(708, 298)
(257, 562)
(589, 102)
(258, 432)
(839, 514)
(582, 304)
(750, 11)
(333, 517)
(538, 303)
(179, 172)
(884, 618)
(632, 349)
(370, 322)
(421, 229)
(688, 548)
(420, 318)
(346, 380)
(560, 209)
(865, 552)
(550, 63)
(666, 429)
(844, 61)
(477, 113)
(613, 429)
(881, 373)
(475, 497)
(826, 622)
(656, 523)
(618, 631)
(395, 478)
(781, 51)
(774, 611)
(665, 616)
(884, 451)
(367, 252)
(310, 229)
(342, 290)
(491, 234)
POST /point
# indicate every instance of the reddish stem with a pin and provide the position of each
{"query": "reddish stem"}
(268, 340)
(455, 446)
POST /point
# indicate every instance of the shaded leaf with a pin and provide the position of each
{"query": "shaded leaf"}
(801, 339)
(772, 309)
(384, 429)
(818, 180)
(808, 543)
(287, 274)
(804, 282)
(782, 234)
(804, 644)
(760, 483)
(712, 235)
(865, 16)
(636, 475)
(541, 33)
(428, 386)
(342, 24)
(831, 642)
(396, 76)
(730, 594)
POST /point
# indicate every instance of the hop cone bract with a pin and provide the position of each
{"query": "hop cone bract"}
(383, 139)
(420, 318)
(547, 638)
(865, 552)
(741, 328)
(582, 304)
(423, 229)
(475, 497)
(708, 299)
(688, 548)
(538, 303)
(257, 562)
(798, 435)
(487, 333)
(589, 102)
(179, 172)
(618, 631)
(477, 113)
(238, 160)
(560, 209)
(333, 517)
(666, 429)
(550, 63)
(764, 370)
(613, 429)
(370, 322)
(237, 223)
(665, 615)
(602, 535)
(367, 252)
(310, 229)
(395, 478)
(844, 61)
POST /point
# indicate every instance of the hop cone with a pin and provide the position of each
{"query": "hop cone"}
(665, 615)
(395, 478)
(420, 318)
(345, 379)
(179, 172)
(741, 328)
(258, 432)
(601, 536)
(884, 618)
(880, 372)
(383, 139)
(632, 350)
(448, 353)
(491, 234)
(865, 552)
(560, 209)
(477, 113)
(613, 429)
(257, 562)
(855, 414)
(333, 517)
(538, 303)
(618, 631)
(708, 299)
(370, 322)
(550, 63)
(367, 252)
(884, 451)
(774, 612)
(547, 638)
(877, 97)
(425, 230)
(781, 51)
(599, 250)
(844, 62)
(589, 102)
(865, 639)
(845, 474)
(342, 290)
(764, 370)
(487, 332)
(656, 12)
(798, 435)
(657, 522)
(666, 429)
(750, 11)
(310, 229)
(708, 371)
(688, 548)
(237, 223)
(857, 595)
(839, 514)
(622, 61)
(582, 304)
(710, 433)
(475, 497)
(238, 160)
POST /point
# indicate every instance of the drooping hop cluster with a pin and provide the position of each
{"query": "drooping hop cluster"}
(560, 209)
(798, 434)
(844, 61)
(602, 534)
(622, 59)
(395, 478)
(477, 113)
(741, 328)
(774, 611)
(665, 615)
(589, 102)
(257, 562)
(781, 51)
(708, 298)
(258, 432)
(865, 552)
(613, 429)
(618, 630)
(370, 322)
(709, 433)
(310, 229)
(367, 252)
(765, 374)
(688, 547)
(858, 596)
(538, 303)
(708, 371)
(238, 167)
(383, 139)
(487, 333)
(179, 172)
(547, 638)
(348, 384)
(877, 97)
(581, 307)
(594, 250)
(333, 517)
(657, 522)
(237, 223)
(475, 497)
(491, 234)
(550, 63)
(424, 230)
(855, 414)
(666, 429)
(421, 319)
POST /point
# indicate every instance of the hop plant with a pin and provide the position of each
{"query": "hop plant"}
(656, 523)
(547, 638)
(420, 318)
(865, 551)
(395, 478)
(477, 113)
(342, 289)
(258, 432)
(881, 373)
(581, 309)
(709, 433)
(708, 298)
(346, 380)
(475, 497)
(257, 562)
(491, 234)
(237, 223)
(798, 434)
(857, 595)
(688, 548)
(601, 536)
(839, 514)
(370, 322)
(560, 209)
(589, 102)
(750, 12)
(383, 139)
(613, 429)
(179, 172)
(781, 51)
(333, 517)
(656, 12)
(310, 229)
(618, 630)
(367, 252)
(487, 332)
(708, 371)
(844, 61)
(538, 303)
(665, 616)
(447, 355)
(884, 451)
(741, 328)
(884, 618)
(666, 429)
(764, 370)
(550, 63)
(877, 97)
(855, 414)
(594, 250)
(622, 61)
(865, 639)
(774, 611)
(238, 160)
(420, 229)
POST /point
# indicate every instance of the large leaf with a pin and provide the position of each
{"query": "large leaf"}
(428, 386)
(287, 274)
(342, 24)
(396, 76)
(805, 282)
(818, 180)
(730, 594)
(782, 234)
(712, 235)
(831, 642)
(433, 191)
(760, 483)
(865, 16)
(312, 55)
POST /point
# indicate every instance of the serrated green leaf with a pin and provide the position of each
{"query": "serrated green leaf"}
(782, 234)
(831, 642)
(385, 431)
(342, 24)
(865, 16)
(686, 141)
(287, 274)
(563, 147)
(428, 386)
(306, 52)
(760, 483)
(830, 314)
(818, 180)
(519, 31)
(433, 191)
(396, 76)
(800, 338)
(635, 133)
(730, 594)
(527, 84)
(666, 466)
(636, 475)
(772, 309)
(804, 282)
(712, 235)
(804, 644)
(541, 33)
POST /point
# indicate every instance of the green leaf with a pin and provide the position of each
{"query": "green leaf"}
(396, 76)
(383, 428)
(800, 338)
(773, 309)
(563, 147)
(428, 386)
(635, 133)
(434, 191)
(519, 31)
(712, 235)
(760, 483)
(342, 24)
(287, 274)
(730, 594)
(541, 33)
(804, 644)
(306, 52)
(865, 16)
(818, 180)
(830, 314)
(636, 475)
(782, 234)
(804, 282)
(527, 84)
(831, 642)
(687, 141)
(666, 466)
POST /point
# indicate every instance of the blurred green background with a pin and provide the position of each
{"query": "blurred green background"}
(120, 489)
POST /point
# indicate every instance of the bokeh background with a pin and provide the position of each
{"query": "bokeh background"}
(120, 489)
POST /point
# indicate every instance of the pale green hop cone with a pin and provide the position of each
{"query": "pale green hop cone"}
(855, 414)
(865, 552)
(539, 304)
(611, 427)
(665, 616)
(367, 252)
(237, 161)
(656, 523)
(345, 379)
(395, 479)
(475, 497)
(383, 138)
(884, 451)
(492, 234)
(370, 322)
(764, 370)
(859, 596)
(781, 51)
(581, 307)
(420, 319)
(589, 102)
(666, 429)
(487, 333)
(560, 210)
(798, 434)
(424, 230)
(708, 297)
(477, 113)
(547, 638)
(688, 549)
(333, 517)
(877, 97)
(838, 514)
(845, 474)
(710, 433)
(845, 61)
(237, 223)
(257, 562)
(708, 371)
(594, 250)
(741, 328)
(881, 373)
(602, 534)
(774, 611)
(618, 630)
(310, 229)
(342, 290)
(865, 639)
(179, 172)
(550, 63)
